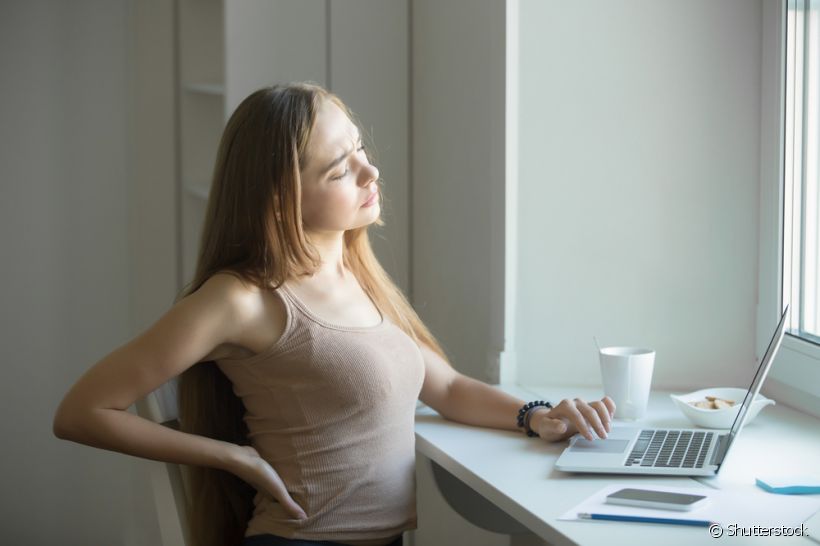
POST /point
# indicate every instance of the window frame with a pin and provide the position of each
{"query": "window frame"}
(800, 224)
(795, 379)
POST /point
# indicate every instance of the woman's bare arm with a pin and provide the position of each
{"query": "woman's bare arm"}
(94, 410)
(463, 399)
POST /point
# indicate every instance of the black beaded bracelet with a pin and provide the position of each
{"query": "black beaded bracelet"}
(524, 415)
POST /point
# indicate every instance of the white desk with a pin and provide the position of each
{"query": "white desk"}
(516, 473)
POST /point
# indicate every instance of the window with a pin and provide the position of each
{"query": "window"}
(801, 192)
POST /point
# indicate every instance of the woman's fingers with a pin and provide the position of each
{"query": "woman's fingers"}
(257, 472)
(276, 487)
(603, 414)
(569, 410)
(592, 418)
(610, 405)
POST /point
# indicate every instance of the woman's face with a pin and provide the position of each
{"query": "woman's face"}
(337, 180)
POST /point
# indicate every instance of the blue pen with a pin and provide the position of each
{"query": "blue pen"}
(645, 519)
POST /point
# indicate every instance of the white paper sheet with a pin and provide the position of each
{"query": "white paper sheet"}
(743, 506)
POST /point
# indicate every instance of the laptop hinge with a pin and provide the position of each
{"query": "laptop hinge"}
(720, 450)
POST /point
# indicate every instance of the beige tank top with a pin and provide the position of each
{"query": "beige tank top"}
(332, 409)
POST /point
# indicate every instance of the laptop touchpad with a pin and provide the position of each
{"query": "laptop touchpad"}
(599, 446)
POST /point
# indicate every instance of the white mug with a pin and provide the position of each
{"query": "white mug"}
(627, 376)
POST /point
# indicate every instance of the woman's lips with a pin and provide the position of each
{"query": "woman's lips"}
(372, 201)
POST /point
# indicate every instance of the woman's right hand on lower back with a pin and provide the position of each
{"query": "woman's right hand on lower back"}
(254, 470)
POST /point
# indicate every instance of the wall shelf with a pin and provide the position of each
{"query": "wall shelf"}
(214, 89)
(200, 191)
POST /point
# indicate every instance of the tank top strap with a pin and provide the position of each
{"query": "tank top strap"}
(298, 307)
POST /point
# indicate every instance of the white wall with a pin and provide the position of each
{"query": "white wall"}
(152, 206)
(638, 191)
(65, 274)
(458, 84)
(260, 38)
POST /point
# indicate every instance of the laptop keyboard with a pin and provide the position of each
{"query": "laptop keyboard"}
(670, 449)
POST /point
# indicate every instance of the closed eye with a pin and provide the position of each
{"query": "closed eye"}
(347, 171)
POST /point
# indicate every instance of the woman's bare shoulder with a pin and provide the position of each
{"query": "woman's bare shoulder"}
(260, 316)
(228, 285)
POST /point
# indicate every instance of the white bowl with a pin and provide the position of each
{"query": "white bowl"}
(718, 418)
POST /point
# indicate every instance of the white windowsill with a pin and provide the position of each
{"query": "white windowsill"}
(795, 377)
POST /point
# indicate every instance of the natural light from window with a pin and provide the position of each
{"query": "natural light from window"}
(801, 198)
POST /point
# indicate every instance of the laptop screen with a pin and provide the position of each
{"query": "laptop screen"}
(760, 376)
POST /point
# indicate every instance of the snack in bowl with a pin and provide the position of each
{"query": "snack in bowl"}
(722, 415)
(712, 402)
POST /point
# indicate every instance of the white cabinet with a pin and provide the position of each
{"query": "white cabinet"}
(200, 117)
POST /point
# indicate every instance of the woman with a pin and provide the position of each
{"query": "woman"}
(300, 360)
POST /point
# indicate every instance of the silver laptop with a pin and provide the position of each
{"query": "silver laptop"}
(678, 452)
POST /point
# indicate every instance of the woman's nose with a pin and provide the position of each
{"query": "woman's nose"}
(368, 174)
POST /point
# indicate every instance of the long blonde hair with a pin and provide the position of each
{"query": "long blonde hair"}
(253, 228)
